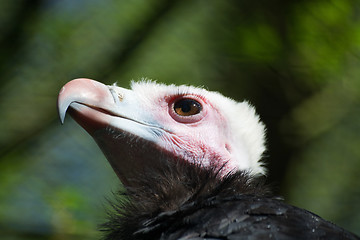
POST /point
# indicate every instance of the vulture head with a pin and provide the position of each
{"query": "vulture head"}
(189, 160)
(150, 122)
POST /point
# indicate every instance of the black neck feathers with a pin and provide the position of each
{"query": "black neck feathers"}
(163, 192)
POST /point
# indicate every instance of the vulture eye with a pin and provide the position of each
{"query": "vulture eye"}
(187, 107)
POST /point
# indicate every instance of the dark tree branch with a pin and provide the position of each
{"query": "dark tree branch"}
(136, 38)
(15, 36)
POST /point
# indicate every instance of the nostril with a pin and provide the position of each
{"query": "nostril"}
(117, 96)
(120, 96)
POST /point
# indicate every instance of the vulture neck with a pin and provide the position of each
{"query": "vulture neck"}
(170, 188)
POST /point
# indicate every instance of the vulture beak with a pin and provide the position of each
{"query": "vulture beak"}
(115, 119)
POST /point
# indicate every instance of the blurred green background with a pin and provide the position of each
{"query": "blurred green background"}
(298, 62)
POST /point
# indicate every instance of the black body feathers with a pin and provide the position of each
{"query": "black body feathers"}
(185, 201)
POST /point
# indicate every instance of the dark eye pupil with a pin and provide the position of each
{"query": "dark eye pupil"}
(187, 107)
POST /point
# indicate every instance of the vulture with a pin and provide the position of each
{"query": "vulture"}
(190, 161)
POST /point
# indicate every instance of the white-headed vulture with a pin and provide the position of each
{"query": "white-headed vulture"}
(190, 162)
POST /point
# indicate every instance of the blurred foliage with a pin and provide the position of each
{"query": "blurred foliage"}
(296, 61)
